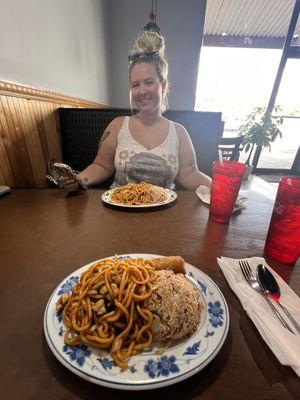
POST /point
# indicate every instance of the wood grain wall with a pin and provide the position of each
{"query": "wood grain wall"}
(29, 132)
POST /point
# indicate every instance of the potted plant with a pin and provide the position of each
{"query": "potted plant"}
(260, 130)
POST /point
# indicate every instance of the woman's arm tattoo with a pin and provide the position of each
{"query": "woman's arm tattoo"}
(104, 136)
(192, 164)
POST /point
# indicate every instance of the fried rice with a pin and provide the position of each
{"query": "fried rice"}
(176, 306)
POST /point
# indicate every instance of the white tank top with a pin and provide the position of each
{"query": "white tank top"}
(134, 163)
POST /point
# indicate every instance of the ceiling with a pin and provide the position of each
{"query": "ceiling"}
(255, 18)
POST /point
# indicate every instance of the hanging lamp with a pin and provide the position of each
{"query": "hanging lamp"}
(152, 25)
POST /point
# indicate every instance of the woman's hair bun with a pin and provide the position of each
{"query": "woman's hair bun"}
(149, 41)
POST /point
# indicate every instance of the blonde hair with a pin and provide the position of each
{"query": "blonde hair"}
(150, 48)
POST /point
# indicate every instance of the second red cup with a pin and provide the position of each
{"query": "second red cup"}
(283, 239)
(226, 183)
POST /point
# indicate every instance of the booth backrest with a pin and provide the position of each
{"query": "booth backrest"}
(81, 130)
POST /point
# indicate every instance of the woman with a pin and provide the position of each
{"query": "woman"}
(146, 146)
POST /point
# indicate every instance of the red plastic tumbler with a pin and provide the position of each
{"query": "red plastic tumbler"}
(283, 240)
(226, 182)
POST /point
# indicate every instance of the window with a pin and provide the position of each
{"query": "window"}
(234, 81)
(284, 150)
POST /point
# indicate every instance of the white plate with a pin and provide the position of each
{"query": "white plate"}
(172, 196)
(147, 370)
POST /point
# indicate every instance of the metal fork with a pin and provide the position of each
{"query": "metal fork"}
(253, 282)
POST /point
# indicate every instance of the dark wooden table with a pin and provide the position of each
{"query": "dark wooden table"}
(44, 236)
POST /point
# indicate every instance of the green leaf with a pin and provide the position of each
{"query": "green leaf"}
(261, 128)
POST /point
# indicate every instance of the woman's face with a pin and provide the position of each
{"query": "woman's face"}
(146, 88)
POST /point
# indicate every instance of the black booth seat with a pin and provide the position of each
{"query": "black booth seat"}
(82, 128)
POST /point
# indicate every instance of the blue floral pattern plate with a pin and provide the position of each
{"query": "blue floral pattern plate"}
(172, 196)
(151, 369)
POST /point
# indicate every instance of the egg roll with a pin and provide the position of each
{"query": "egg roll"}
(173, 263)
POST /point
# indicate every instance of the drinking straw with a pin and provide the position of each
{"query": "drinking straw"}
(220, 158)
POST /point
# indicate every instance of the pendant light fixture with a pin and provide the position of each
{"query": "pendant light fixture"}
(152, 25)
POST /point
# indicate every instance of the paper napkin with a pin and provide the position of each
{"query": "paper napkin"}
(203, 193)
(283, 343)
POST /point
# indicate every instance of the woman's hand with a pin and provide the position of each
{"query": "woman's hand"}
(69, 184)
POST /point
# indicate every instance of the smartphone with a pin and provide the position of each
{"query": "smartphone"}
(58, 170)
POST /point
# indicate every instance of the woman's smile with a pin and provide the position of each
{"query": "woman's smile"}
(145, 99)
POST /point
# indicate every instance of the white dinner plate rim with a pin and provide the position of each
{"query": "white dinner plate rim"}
(105, 197)
(136, 385)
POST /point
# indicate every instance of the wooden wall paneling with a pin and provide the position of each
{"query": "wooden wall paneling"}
(16, 148)
(30, 132)
(6, 177)
(28, 178)
(34, 145)
(8, 142)
(41, 135)
(39, 118)
(25, 162)
(27, 132)
(52, 136)
(2, 170)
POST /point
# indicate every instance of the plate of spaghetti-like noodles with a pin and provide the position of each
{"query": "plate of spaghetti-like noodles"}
(139, 195)
(136, 321)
